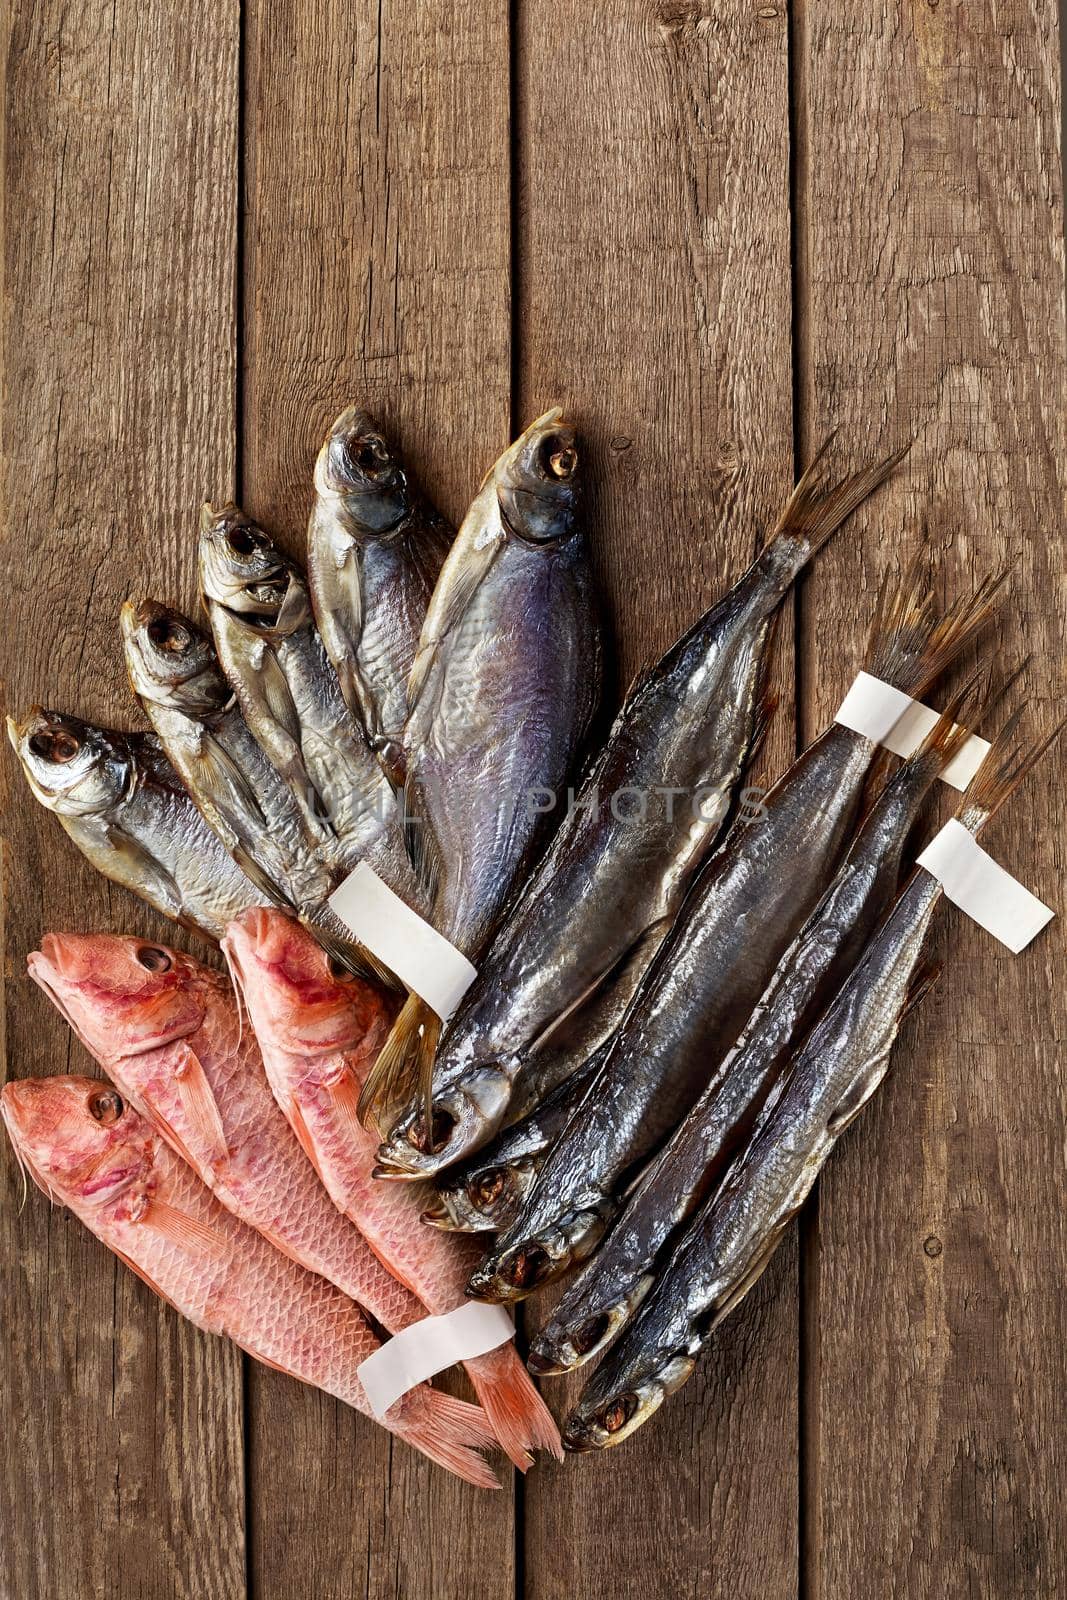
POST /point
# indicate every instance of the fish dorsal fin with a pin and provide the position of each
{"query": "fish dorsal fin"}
(182, 1230)
(154, 882)
(199, 1104)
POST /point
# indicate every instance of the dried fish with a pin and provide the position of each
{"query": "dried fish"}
(120, 801)
(503, 687)
(832, 1078)
(746, 907)
(616, 873)
(375, 548)
(695, 1159)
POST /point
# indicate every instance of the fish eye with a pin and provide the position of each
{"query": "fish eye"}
(619, 1413)
(166, 634)
(153, 958)
(242, 541)
(338, 969)
(560, 458)
(107, 1106)
(55, 744)
(488, 1187)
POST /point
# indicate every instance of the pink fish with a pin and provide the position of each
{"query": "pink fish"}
(166, 1030)
(311, 1027)
(91, 1151)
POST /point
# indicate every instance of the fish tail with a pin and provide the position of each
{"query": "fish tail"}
(1008, 763)
(816, 508)
(520, 1419)
(910, 643)
(405, 1065)
(451, 1432)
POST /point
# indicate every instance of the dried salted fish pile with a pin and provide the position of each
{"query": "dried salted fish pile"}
(483, 1026)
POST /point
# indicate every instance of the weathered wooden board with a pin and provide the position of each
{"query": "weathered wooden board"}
(122, 1461)
(376, 257)
(932, 304)
(184, 312)
(654, 301)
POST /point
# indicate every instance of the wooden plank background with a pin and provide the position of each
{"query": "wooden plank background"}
(714, 230)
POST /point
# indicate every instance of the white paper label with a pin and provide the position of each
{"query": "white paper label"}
(428, 1347)
(422, 958)
(898, 723)
(973, 881)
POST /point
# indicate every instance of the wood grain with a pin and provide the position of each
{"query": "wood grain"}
(122, 1467)
(376, 270)
(654, 301)
(932, 304)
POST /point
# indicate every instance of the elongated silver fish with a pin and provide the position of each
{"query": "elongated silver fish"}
(614, 873)
(271, 652)
(831, 1079)
(504, 684)
(746, 907)
(694, 1160)
(120, 801)
(177, 677)
(375, 548)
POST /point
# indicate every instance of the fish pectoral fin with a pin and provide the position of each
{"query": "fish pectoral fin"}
(183, 1230)
(262, 880)
(152, 881)
(344, 1096)
(222, 772)
(421, 842)
(199, 1103)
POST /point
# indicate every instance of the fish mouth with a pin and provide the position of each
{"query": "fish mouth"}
(601, 1421)
(572, 1338)
(463, 1120)
(511, 1273)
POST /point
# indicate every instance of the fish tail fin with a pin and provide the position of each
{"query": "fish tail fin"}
(817, 508)
(910, 643)
(1008, 763)
(451, 1432)
(519, 1417)
(405, 1065)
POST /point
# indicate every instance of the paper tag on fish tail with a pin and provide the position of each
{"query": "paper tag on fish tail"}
(881, 712)
(977, 884)
(422, 958)
(428, 1347)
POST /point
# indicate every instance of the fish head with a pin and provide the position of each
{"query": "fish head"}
(465, 1116)
(583, 1325)
(241, 568)
(170, 660)
(538, 482)
(621, 1395)
(74, 768)
(122, 996)
(301, 1001)
(481, 1201)
(532, 1255)
(357, 467)
(80, 1141)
